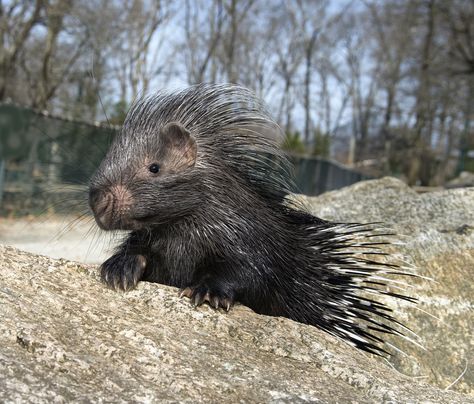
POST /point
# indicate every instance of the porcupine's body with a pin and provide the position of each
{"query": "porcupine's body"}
(203, 194)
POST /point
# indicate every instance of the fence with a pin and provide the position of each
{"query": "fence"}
(45, 160)
(316, 175)
(2, 177)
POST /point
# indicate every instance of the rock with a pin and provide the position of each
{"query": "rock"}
(437, 229)
(465, 179)
(65, 337)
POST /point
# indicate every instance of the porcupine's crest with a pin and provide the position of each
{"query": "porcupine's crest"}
(227, 122)
(340, 282)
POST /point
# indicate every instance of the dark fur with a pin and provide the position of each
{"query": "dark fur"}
(214, 221)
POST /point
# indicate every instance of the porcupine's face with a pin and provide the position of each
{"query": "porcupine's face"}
(146, 179)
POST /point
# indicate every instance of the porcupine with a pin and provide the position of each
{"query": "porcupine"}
(204, 196)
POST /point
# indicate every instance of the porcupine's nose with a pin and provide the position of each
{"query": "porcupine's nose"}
(111, 207)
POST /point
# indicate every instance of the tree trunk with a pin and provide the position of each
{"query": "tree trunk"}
(9, 57)
(307, 86)
(420, 142)
(464, 141)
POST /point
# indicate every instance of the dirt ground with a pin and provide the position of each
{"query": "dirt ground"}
(59, 237)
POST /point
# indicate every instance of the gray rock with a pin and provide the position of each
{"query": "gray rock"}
(64, 337)
(465, 179)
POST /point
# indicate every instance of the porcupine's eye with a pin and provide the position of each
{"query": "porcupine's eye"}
(154, 168)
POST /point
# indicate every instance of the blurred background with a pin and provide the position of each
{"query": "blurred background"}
(361, 88)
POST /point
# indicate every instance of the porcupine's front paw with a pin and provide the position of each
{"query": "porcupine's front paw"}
(215, 296)
(122, 272)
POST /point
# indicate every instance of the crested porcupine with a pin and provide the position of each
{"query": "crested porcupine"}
(204, 196)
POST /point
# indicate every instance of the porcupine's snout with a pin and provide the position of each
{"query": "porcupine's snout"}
(111, 207)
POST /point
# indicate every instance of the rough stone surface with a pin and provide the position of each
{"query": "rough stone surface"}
(437, 229)
(465, 179)
(64, 337)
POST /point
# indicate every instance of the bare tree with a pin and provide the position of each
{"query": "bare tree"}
(286, 46)
(202, 40)
(459, 18)
(391, 30)
(396, 76)
(137, 56)
(17, 20)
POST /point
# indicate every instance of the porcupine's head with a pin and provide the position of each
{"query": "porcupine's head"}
(175, 150)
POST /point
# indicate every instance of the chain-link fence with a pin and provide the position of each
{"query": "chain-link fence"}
(46, 161)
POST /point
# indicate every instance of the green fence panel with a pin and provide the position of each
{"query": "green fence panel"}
(40, 151)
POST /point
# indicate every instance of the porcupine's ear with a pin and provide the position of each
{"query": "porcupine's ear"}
(178, 146)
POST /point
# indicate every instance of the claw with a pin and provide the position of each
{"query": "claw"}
(215, 302)
(122, 272)
(198, 299)
(186, 292)
(202, 294)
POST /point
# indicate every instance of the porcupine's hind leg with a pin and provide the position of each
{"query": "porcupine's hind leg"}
(211, 292)
(216, 283)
